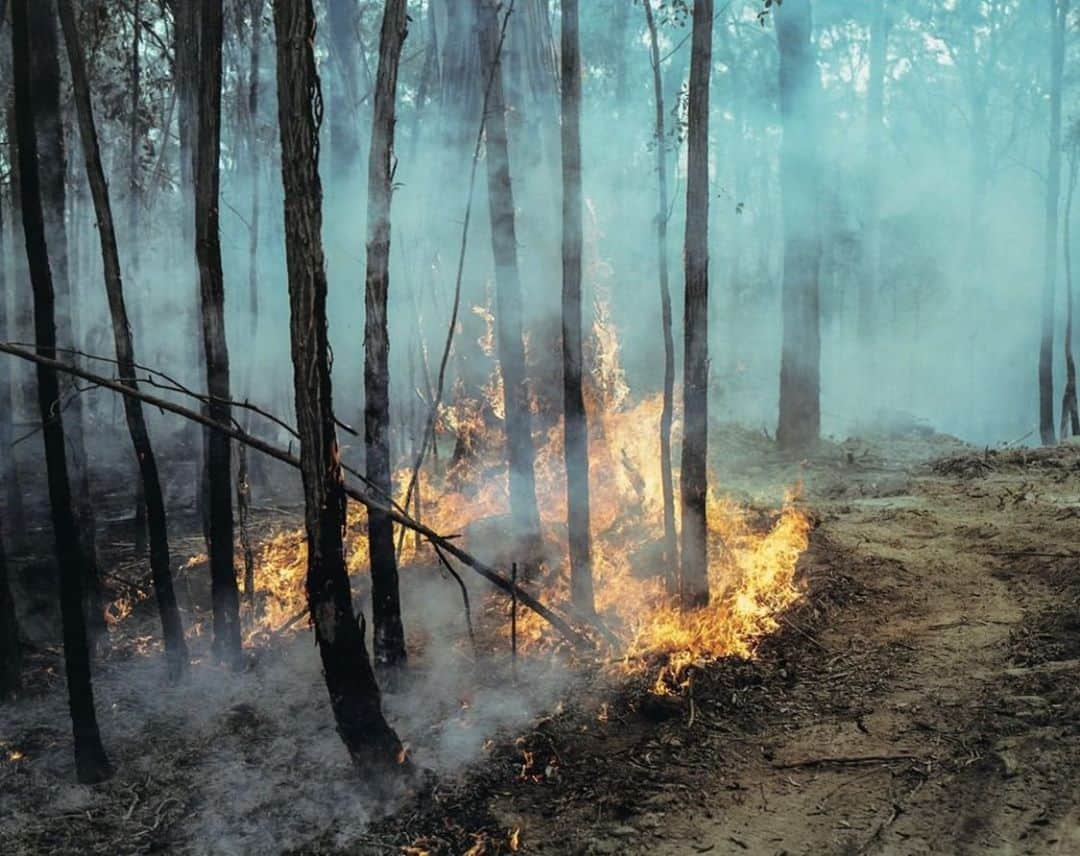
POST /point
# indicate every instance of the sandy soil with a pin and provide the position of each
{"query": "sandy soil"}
(922, 698)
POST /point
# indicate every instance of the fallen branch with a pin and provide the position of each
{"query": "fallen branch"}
(846, 760)
(236, 433)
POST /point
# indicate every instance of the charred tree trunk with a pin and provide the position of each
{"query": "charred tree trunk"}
(226, 597)
(386, 601)
(186, 48)
(671, 548)
(10, 646)
(1059, 10)
(91, 762)
(1070, 414)
(508, 307)
(800, 358)
(139, 520)
(172, 627)
(354, 694)
(575, 422)
(694, 475)
(49, 128)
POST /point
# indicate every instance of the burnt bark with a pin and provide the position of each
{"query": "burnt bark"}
(575, 422)
(52, 171)
(510, 343)
(350, 680)
(175, 647)
(91, 762)
(139, 521)
(694, 474)
(800, 358)
(224, 591)
(386, 601)
(671, 548)
(1059, 10)
(8, 468)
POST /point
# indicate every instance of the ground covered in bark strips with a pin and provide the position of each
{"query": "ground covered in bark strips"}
(922, 698)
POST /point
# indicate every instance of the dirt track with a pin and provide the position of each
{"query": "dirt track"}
(923, 700)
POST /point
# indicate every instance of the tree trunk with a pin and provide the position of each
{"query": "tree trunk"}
(508, 308)
(1059, 10)
(91, 763)
(8, 468)
(386, 601)
(139, 522)
(226, 598)
(243, 473)
(10, 646)
(1070, 414)
(575, 423)
(354, 694)
(175, 647)
(870, 282)
(694, 475)
(344, 105)
(186, 48)
(800, 358)
(671, 548)
(45, 73)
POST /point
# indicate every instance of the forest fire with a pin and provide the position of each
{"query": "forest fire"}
(751, 568)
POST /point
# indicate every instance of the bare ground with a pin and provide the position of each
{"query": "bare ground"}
(922, 698)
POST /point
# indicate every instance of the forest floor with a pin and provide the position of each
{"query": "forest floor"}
(923, 697)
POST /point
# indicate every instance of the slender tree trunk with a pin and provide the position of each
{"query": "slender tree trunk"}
(172, 627)
(139, 520)
(10, 646)
(1070, 414)
(344, 104)
(25, 388)
(243, 475)
(1059, 10)
(575, 422)
(694, 475)
(508, 308)
(186, 48)
(91, 762)
(226, 598)
(671, 548)
(800, 359)
(386, 606)
(870, 282)
(8, 467)
(350, 680)
(45, 72)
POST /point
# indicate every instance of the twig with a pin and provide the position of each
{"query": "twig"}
(845, 761)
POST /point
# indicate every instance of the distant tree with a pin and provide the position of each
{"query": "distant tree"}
(339, 633)
(694, 473)
(509, 331)
(91, 763)
(175, 647)
(1059, 14)
(575, 421)
(343, 107)
(1070, 413)
(224, 591)
(386, 600)
(800, 360)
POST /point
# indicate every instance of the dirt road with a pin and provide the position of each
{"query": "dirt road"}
(923, 700)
